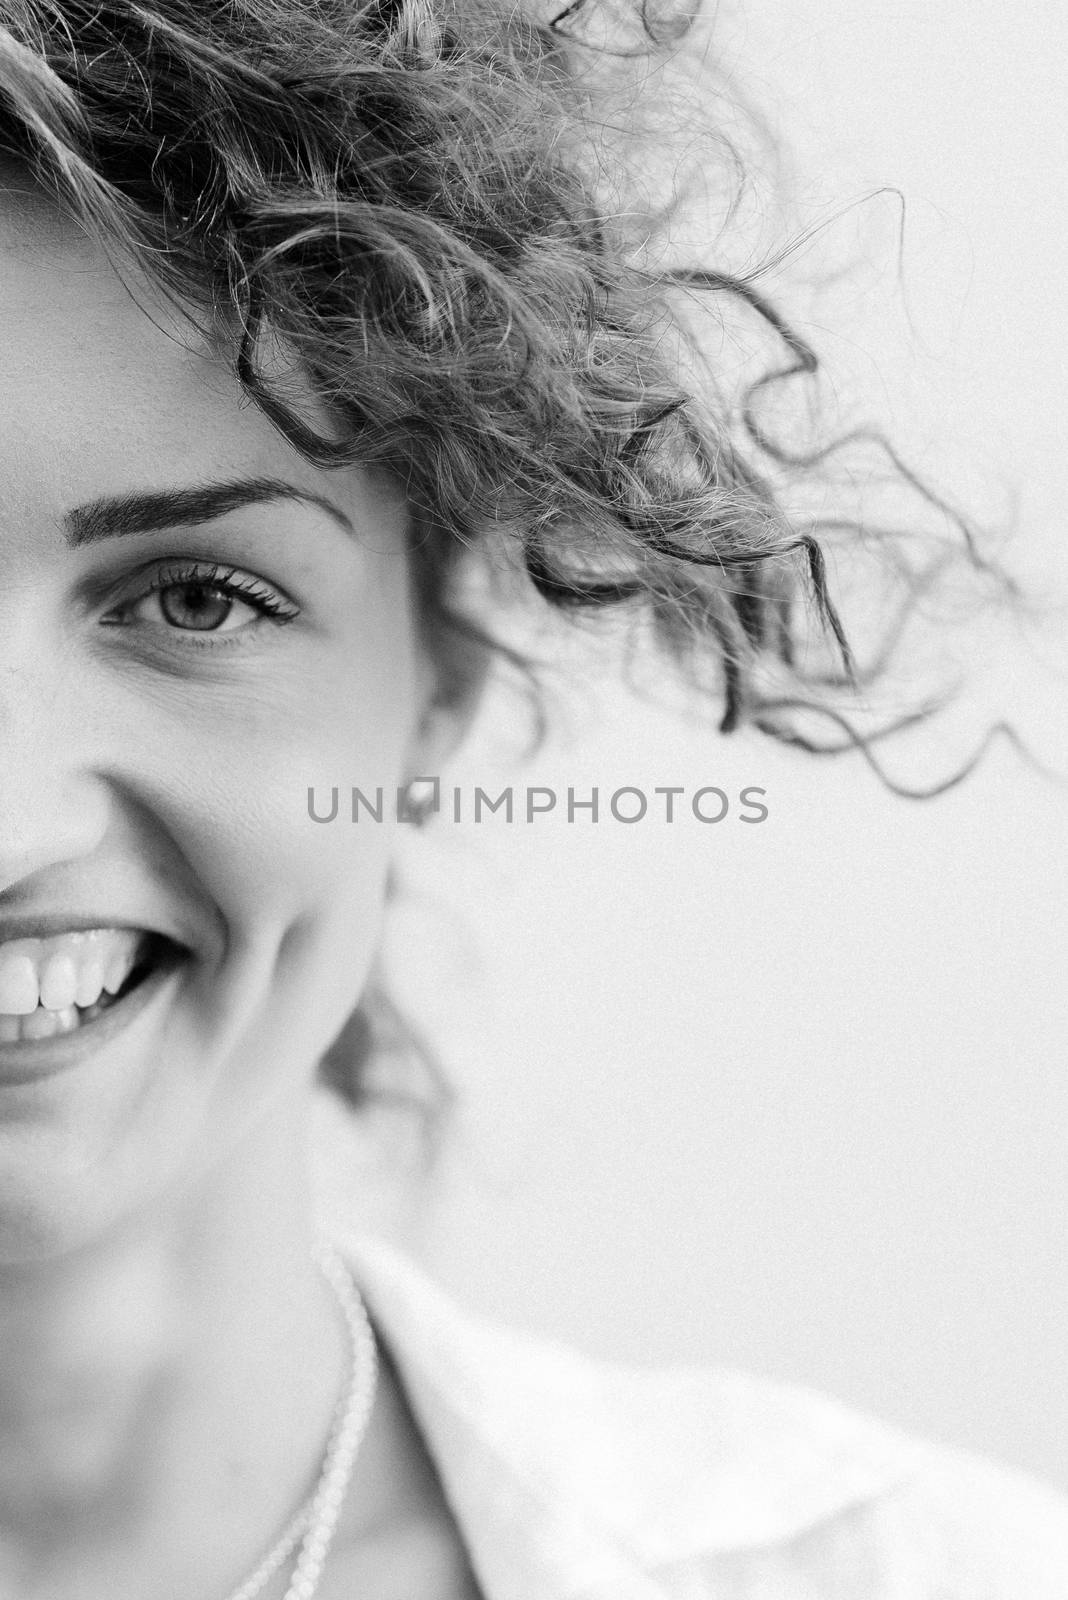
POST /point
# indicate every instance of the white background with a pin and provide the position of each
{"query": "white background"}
(794, 1097)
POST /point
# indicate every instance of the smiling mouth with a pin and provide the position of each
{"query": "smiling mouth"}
(149, 954)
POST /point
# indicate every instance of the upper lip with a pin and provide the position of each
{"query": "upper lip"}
(114, 892)
(46, 925)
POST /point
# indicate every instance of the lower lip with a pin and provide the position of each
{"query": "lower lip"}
(28, 1060)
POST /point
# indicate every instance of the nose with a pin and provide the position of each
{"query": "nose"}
(54, 807)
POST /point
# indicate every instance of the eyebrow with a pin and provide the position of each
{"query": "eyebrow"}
(153, 512)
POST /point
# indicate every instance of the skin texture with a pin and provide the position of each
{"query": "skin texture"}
(169, 1359)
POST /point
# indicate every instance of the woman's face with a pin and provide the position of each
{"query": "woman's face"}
(195, 627)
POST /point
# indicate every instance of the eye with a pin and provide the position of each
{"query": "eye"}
(199, 597)
(196, 607)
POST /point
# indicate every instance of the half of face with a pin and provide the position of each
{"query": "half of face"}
(196, 627)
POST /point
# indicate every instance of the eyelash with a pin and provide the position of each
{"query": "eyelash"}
(229, 581)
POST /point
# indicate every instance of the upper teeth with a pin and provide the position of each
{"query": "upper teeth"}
(65, 970)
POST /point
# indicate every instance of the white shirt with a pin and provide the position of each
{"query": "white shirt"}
(571, 1479)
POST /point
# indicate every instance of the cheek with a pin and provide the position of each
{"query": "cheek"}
(300, 903)
(241, 807)
(269, 864)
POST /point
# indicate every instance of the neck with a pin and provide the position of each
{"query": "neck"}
(165, 1395)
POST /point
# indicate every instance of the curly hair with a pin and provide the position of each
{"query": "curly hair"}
(417, 201)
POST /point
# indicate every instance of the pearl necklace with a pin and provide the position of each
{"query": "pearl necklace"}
(313, 1527)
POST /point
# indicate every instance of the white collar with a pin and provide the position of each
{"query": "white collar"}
(569, 1478)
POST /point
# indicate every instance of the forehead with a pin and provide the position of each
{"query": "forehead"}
(104, 383)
